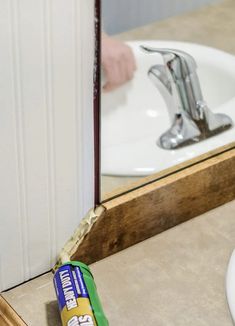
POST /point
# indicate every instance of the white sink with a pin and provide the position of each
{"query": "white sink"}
(135, 115)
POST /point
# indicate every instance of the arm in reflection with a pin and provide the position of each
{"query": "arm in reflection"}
(118, 62)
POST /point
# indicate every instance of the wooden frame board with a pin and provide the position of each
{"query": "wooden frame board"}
(8, 316)
(160, 205)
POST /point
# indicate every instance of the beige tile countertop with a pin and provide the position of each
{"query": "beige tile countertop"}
(176, 278)
(212, 25)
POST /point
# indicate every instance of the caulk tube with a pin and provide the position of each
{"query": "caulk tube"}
(77, 296)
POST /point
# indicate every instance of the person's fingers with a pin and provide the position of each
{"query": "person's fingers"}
(131, 64)
(129, 70)
(123, 68)
(114, 75)
(127, 63)
(118, 63)
(108, 87)
(118, 74)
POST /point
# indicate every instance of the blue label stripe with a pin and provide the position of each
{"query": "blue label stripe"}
(81, 282)
(63, 280)
(58, 286)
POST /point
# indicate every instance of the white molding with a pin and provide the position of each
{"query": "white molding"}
(46, 130)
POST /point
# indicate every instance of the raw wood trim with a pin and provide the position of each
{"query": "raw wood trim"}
(8, 316)
(160, 205)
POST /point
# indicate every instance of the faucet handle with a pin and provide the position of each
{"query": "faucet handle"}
(183, 71)
(180, 63)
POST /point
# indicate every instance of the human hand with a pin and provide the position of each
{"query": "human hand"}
(118, 62)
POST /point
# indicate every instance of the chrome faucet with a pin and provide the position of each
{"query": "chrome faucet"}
(192, 120)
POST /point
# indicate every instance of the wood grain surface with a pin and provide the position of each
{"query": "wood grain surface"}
(160, 205)
(8, 316)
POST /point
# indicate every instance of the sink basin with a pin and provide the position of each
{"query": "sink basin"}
(135, 115)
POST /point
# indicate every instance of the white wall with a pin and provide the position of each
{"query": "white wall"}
(46, 130)
(122, 15)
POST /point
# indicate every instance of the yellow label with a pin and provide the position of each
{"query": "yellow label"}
(80, 316)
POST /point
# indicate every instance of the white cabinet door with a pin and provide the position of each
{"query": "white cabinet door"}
(46, 130)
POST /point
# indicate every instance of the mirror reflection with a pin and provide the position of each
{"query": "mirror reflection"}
(168, 87)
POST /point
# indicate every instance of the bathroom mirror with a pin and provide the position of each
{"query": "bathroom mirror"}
(178, 108)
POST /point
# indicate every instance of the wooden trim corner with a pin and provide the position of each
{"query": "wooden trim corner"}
(8, 316)
(160, 205)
